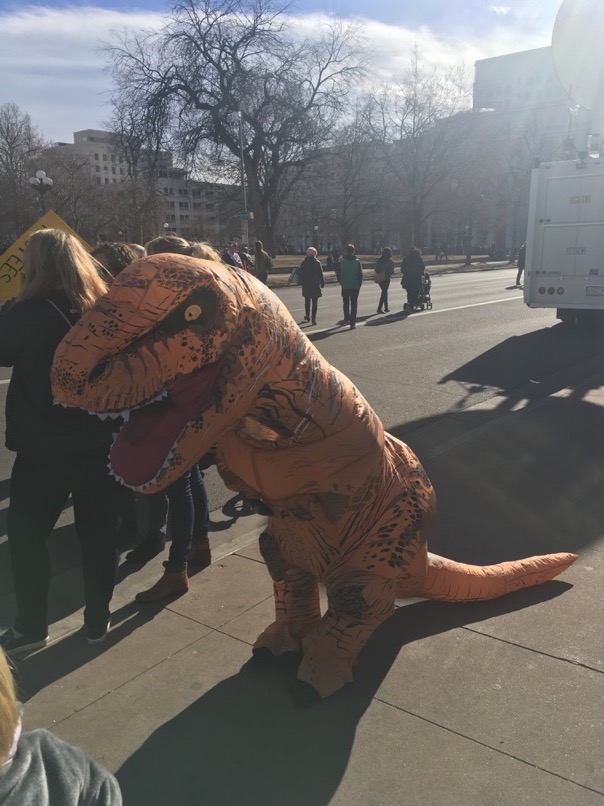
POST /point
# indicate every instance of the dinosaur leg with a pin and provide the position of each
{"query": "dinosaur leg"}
(358, 603)
(296, 601)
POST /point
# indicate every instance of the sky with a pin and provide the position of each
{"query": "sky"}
(52, 67)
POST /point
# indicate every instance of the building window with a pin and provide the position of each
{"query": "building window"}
(196, 194)
(183, 205)
(106, 180)
(96, 156)
(209, 194)
(113, 170)
(97, 168)
(183, 192)
(209, 207)
(170, 205)
(104, 157)
(184, 217)
(121, 171)
(197, 205)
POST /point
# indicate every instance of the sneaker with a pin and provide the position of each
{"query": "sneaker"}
(379, 310)
(13, 642)
(307, 318)
(352, 327)
(386, 310)
(97, 635)
(314, 322)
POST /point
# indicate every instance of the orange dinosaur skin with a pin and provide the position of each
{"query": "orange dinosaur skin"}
(351, 505)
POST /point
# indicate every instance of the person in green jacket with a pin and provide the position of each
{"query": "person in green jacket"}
(350, 277)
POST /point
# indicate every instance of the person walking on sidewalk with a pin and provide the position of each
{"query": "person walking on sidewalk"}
(384, 269)
(262, 262)
(60, 451)
(350, 277)
(412, 269)
(521, 262)
(310, 277)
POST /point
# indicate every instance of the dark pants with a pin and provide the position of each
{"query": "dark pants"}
(519, 276)
(413, 287)
(187, 500)
(383, 303)
(350, 298)
(39, 489)
(310, 307)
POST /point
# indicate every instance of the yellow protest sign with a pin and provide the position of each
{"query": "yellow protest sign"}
(11, 262)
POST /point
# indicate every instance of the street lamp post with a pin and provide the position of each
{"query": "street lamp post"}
(41, 184)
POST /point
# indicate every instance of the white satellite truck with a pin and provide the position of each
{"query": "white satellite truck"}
(564, 267)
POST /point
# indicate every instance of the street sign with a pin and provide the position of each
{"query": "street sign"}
(245, 215)
(11, 262)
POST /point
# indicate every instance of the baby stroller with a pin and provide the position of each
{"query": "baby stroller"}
(424, 300)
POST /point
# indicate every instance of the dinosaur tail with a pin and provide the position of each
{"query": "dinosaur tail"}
(451, 581)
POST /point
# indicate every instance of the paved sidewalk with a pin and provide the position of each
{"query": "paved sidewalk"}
(472, 705)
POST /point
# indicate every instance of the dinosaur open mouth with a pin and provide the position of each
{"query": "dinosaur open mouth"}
(146, 441)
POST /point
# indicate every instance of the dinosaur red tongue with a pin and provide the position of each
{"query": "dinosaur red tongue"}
(145, 441)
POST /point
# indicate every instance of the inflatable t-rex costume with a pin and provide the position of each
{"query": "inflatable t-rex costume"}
(199, 354)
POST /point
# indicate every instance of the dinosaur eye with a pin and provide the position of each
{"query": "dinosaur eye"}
(192, 312)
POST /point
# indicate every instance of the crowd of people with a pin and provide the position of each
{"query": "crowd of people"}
(349, 273)
(63, 452)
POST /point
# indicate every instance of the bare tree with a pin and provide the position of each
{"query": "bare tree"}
(409, 119)
(236, 86)
(20, 142)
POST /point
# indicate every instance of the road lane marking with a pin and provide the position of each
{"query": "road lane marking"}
(471, 305)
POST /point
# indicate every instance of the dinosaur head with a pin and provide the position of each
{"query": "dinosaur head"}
(179, 348)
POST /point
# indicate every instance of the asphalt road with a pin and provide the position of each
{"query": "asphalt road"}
(479, 348)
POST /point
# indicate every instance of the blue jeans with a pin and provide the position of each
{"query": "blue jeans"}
(187, 500)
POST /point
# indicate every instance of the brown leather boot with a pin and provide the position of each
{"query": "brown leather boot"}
(200, 553)
(171, 583)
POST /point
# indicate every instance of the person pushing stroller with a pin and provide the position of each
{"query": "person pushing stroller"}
(413, 269)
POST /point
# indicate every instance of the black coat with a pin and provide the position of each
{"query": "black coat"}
(310, 277)
(412, 269)
(30, 332)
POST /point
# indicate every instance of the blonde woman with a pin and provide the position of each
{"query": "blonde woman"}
(38, 768)
(204, 251)
(60, 452)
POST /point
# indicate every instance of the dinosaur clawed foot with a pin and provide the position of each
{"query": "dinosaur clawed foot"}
(287, 662)
(277, 640)
(323, 665)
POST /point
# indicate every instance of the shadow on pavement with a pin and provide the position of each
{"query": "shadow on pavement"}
(35, 672)
(244, 741)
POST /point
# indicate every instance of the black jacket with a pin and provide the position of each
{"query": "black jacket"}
(310, 277)
(412, 269)
(30, 332)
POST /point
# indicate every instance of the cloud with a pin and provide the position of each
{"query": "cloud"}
(500, 11)
(53, 68)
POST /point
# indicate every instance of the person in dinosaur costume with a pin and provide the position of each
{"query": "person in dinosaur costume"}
(196, 354)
